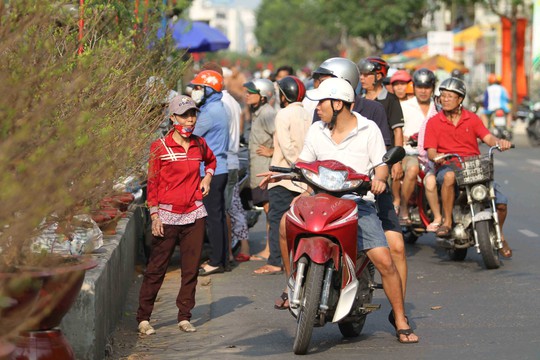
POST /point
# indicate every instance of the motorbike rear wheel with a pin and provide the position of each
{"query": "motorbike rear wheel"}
(309, 305)
(410, 237)
(365, 292)
(457, 254)
(486, 240)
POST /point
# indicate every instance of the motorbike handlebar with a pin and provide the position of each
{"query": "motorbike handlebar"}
(280, 169)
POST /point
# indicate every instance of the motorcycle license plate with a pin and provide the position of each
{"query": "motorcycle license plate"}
(499, 121)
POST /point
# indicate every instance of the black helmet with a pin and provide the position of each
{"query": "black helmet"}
(374, 64)
(456, 73)
(424, 77)
(292, 88)
(455, 85)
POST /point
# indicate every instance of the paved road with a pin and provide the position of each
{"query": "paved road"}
(460, 310)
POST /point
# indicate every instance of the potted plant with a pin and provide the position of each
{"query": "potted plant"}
(72, 124)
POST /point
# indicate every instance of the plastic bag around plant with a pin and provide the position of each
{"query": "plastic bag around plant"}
(86, 236)
(83, 236)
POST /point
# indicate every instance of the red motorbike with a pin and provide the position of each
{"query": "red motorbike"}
(330, 280)
(419, 212)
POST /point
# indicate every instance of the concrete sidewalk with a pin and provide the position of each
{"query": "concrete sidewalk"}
(226, 306)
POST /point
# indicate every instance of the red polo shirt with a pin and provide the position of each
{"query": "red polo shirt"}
(461, 139)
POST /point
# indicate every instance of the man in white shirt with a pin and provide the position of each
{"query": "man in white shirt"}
(291, 123)
(416, 111)
(357, 142)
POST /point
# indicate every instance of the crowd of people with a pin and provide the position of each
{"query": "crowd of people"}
(353, 113)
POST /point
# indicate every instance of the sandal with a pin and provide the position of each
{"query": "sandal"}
(242, 257)
(257, 257)
(282, 303)
(433, 227)
(392, 319)
(505, 251)
(443, 231)
(405, 332)
(268, 270)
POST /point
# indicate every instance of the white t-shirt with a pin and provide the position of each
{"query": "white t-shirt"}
(234, 111)
(414, 117)
(360, 150)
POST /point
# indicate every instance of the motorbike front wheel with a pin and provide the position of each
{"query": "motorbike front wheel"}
(486, 240)
(309, 306)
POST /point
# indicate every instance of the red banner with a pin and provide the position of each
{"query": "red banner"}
(506, 56)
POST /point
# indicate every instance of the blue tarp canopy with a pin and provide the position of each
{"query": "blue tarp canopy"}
(197, 36)
(399, 46)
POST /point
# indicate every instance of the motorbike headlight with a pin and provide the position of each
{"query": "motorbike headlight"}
(479, 192)
(331, 180)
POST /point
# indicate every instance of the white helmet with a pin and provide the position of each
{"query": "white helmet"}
(333, 88)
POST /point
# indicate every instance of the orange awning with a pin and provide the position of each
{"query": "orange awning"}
(470, 34)
(436, 62)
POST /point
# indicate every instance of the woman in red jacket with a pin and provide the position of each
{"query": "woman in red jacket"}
(175, 192)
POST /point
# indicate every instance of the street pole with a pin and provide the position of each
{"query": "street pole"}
(513, 55)
(81, 27)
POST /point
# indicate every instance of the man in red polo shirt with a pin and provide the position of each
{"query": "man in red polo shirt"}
(456, 130)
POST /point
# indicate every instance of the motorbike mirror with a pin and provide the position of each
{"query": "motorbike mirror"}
(395, 154)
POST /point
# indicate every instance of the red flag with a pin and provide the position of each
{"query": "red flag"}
(506, 56)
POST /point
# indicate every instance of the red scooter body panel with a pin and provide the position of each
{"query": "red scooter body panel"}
(323, 215)
(319, 249)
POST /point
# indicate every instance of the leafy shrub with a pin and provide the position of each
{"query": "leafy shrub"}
(72, 124)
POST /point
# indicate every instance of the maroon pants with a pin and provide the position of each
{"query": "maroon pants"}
(190, 238)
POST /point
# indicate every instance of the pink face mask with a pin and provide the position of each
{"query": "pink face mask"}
(184, 131)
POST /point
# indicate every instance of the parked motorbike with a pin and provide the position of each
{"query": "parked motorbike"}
(330, 281)
(524, 110)
(497, 125)
(476, 222)
(533, 126)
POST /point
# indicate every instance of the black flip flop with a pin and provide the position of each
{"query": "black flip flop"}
(405, 332)
(392, 319)
(280, 305)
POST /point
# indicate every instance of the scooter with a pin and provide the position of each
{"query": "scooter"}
(498, 125)
(533, 126)
(476, 223)
(330, 280)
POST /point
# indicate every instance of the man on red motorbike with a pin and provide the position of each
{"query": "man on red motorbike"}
(357, 142)
(455, 130)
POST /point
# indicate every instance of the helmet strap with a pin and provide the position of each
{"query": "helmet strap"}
(261, 102)
(454, 112)
(207, 91)
(335, 114)
(379, 81)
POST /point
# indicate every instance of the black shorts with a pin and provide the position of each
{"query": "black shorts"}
(259, 196)
(386, 212)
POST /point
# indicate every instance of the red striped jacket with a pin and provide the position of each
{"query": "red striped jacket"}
(174, 175)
